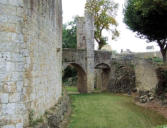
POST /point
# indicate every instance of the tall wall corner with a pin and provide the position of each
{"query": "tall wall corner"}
(30, 59)
(89, 28)
(81, 37)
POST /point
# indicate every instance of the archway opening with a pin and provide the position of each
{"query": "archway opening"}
(69, 78)
(102, 76)
(74, 76)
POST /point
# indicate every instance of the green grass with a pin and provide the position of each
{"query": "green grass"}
(110, 111)
(165, 126)
(71, 88)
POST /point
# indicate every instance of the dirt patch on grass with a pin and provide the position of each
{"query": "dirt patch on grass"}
(155, 105)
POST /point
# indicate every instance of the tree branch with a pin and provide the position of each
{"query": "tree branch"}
(160, 44)
(97, 40)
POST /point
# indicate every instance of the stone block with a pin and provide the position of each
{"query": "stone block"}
(9, 108)
(7, 10)
(4, 98)
(3, 19)
(19, 125)
(10, 66)
(14, 97)
(17, 57)
(19, 86)
(9, 87)
(20, 11)
(2, 67)
(15, 2)
(14, 19)
(17, 76)
(21, 109)
(9, 126)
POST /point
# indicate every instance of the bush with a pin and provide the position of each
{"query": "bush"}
(157, 59)
(161, 89)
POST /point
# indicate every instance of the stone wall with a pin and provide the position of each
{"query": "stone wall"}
(146, 77)
(79, 56)
(30, 53)
(57, 116)
(145, 68)
(102, 78)
(76, 56)
(122, 77)
(89, 28)
(81, 39)
(148, 54)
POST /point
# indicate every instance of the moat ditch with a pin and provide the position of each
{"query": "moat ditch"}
(107, 110)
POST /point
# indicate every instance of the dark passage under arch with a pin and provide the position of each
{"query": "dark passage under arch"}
(102, 76)
(81, 77)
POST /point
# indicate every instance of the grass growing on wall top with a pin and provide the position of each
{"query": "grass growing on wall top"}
(110, 111)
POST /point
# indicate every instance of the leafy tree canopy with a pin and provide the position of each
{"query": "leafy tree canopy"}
(104, 12)
(149, 19)
(69, 35)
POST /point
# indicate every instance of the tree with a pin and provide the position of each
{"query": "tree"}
(104, 12)
(69, 41)
(149, 19)
(69, 35)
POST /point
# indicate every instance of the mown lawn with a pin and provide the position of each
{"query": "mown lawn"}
(71, 88)
(107, 110)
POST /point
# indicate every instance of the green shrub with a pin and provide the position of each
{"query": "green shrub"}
(161, 88)
(157, 59)
(33, 122)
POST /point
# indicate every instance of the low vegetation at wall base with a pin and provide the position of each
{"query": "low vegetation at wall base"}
(123, 79)
(161, 89)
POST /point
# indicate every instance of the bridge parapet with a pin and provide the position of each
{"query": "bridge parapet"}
(78, 59)
(78, 56)
(103, 57)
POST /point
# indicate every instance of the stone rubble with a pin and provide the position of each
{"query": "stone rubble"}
(145, 96)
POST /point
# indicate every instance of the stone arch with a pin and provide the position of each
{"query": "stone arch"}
(82, 78)
(102, 66)
(102, 76)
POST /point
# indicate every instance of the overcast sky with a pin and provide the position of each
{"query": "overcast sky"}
(127, 39)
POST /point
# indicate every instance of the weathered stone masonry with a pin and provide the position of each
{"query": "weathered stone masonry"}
(89, 29)
(30, 59)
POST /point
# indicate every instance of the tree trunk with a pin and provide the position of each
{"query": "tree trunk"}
(164, 59)
(163, 52)
(100, 45)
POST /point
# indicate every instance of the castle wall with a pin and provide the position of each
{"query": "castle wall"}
(30, 59)
(81, 39)
(89, 29)
(146, 77)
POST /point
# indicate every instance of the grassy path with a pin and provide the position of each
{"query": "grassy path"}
(110, 111)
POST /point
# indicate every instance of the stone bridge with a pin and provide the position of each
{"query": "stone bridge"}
(78, 59)
(96, 68)
(102, 59)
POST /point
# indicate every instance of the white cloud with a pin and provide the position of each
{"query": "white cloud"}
(71, 8)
